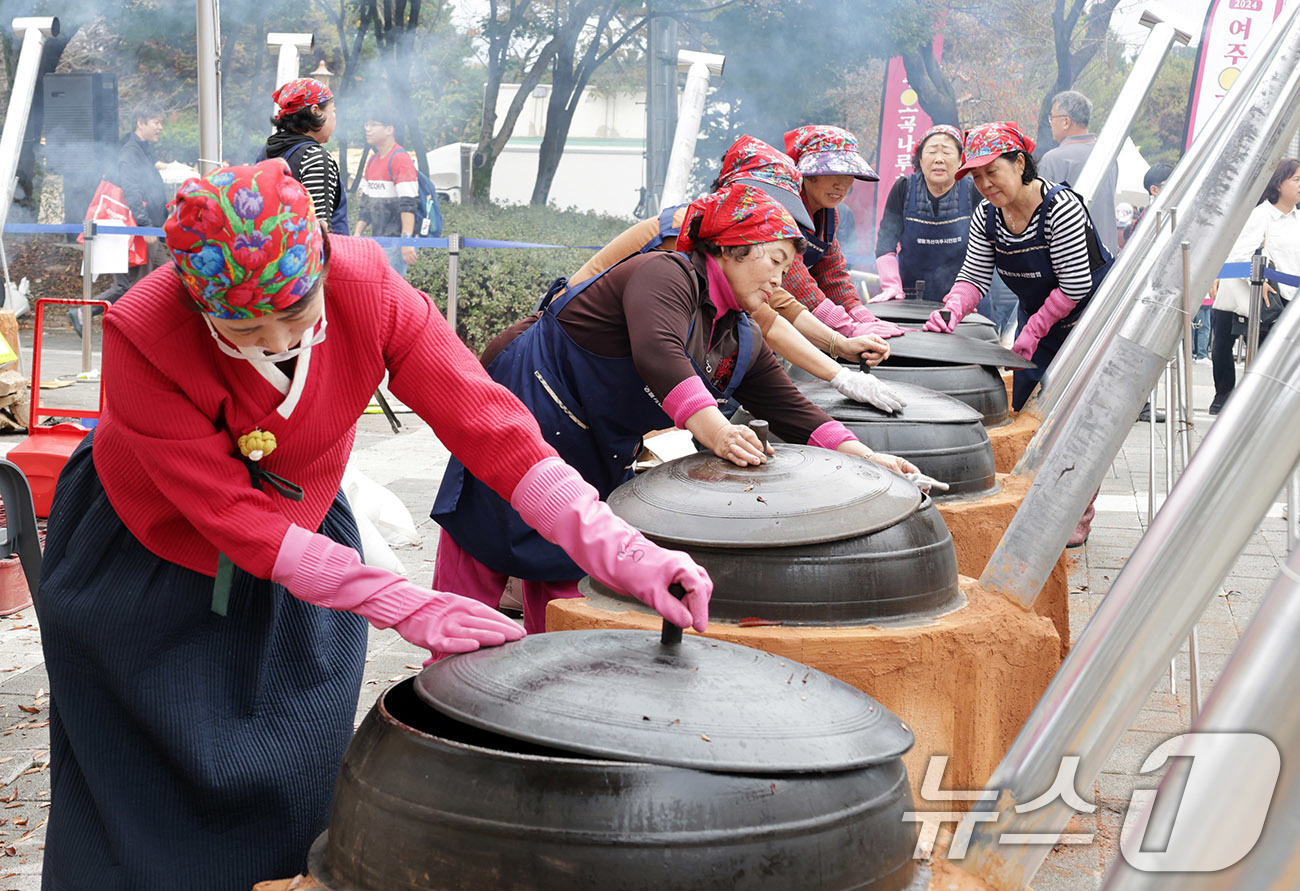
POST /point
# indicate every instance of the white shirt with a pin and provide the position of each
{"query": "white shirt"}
(1279, 233)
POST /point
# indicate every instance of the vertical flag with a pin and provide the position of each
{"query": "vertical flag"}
(1233, 30)
(901, 124)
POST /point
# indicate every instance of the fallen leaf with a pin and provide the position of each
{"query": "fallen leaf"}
(30, 709)
(705, 738)
(760, 498)
(20, 821)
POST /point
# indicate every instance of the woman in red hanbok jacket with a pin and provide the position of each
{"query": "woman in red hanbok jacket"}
(203, 600)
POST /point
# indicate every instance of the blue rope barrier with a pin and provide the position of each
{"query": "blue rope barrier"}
(385, 241)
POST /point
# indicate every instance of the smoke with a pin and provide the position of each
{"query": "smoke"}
(150, 47)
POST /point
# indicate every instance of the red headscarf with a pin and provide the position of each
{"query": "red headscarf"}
(299, 94)
(245, 240)
(734, 215)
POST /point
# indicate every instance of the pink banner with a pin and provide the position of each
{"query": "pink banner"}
(1233, 31)
(901, 124)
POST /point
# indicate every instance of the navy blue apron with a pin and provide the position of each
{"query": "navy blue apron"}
(1027, 271)
(666, 229)
(339, 219)
(820, 242)
(933, 245)
(592, 409)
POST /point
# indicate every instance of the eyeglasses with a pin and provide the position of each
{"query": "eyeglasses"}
(1052, 117)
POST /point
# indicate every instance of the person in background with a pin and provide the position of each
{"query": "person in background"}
(1123, 220)
(659, 340)
(1153, 181)
(1275, 226)
(926, 220)
(204, 605)
(787, 326)
(305, 116)
(390, 189)
(1069, 117)
(828, 159)
(144, 194)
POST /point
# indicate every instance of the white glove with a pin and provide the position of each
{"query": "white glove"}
(865, 388)
(926, 483)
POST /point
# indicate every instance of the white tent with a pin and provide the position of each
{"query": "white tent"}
(1132, 167)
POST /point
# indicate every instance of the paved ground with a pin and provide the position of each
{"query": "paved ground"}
(410, 464)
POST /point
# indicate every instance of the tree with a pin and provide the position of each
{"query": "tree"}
(1077, 37)
(567, 43)
(507, 21)
(572, 71)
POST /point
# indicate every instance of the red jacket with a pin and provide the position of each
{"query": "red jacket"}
(175, 406)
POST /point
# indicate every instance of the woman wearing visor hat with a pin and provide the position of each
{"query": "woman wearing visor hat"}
(829, 161)
(787, 326)
(204, 606)
(1038, 236)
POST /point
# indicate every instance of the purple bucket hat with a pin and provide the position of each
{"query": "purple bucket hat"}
(821, 150)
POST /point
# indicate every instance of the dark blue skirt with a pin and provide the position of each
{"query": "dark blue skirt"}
(188, 750)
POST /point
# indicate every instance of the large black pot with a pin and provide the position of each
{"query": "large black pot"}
(699, 797)
(914, 313)
(939, 434)
(813, 537)
(979, 386)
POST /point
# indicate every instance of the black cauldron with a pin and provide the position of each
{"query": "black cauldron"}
(939, 434)
(813, 537)
(914, 313)
(979, 386)
(609, 760)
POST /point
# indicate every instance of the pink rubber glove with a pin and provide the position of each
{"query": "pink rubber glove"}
(879, 328)
(328, 574)
(960, 302)
(891, 282)
(1056, 307)
(567, 510)
(833, 316)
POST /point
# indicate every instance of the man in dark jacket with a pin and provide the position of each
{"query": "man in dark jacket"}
(146, 196)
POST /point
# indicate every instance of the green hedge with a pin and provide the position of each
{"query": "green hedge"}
(497, 287)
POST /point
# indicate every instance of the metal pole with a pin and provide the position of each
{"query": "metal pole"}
(1091, 427)
(1292, 504)
(32, 32)
(688, 123)
(1190, 307)
(453, 273)
(1212, 818)
(1132, 97)
(1170, 578)
(1100, 321)
(88, 228)
(1256, 305)
(288, 46)
(208, 33)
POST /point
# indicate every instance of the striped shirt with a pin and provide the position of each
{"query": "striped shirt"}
(320, 176)
(1070, 240)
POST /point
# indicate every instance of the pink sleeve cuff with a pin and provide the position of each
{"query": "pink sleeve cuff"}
(688, 397)
(833, 316)
(830, 435)
(545, 491)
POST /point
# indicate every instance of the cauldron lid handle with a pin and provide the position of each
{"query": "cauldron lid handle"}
(671, 634)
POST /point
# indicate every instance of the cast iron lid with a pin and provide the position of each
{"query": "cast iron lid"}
(919, 311)
(924, 406)
(953, 349)
(701, 703)
(802, 495)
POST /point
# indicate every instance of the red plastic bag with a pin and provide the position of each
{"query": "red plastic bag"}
(108, 205)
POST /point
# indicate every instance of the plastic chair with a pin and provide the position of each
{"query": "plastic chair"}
(21, 536)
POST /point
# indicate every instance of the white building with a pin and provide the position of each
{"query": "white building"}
(602, 168)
